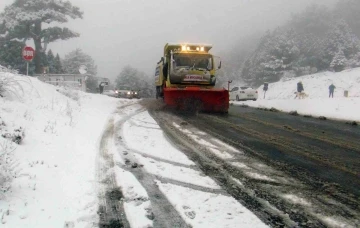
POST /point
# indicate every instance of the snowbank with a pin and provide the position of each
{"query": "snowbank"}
(317, 85)
(281, 95)
(55, 184)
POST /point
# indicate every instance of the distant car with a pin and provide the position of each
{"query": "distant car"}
(127, 92)
(243, 93)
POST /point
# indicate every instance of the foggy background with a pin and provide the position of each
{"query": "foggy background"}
(117, 33)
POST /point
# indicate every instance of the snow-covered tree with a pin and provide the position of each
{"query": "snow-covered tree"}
(31, 19)
(339, 61)
(92, 84)
(349, 11)
(315, 40)
(75, 59)
(57, 67)
(50, 60)
(315, 19)
(342, 38)
(136, 80)
(277, 52)
(341, 43)
(10, 57)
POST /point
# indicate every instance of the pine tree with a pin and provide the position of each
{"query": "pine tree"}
(58, 69)
(92, 84)
(339, 61)
(24, 19)
(75, 59)
(278, 51)
(10, 57)
(136, 80)
(341, 41)
(349, 11)
(315, 19)
(50, 61)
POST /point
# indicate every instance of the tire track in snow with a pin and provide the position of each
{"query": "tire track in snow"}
(111, 208)
(164, 213)
(212, 208)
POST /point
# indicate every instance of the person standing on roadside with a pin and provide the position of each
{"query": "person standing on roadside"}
(331, 90)
(101, 88)
(300, 89)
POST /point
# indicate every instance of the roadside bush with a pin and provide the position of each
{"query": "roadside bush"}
(9, 85)
(16, 136)
(8, 166)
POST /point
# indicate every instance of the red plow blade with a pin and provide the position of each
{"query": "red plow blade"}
(197, 99)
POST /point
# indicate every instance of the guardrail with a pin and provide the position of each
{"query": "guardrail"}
(68, 84)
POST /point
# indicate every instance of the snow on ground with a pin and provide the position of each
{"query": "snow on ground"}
(217, 147)
(144, 138)
(138, 131)
(281, 95)
(56, 184)
(202, 209)
(136, 198)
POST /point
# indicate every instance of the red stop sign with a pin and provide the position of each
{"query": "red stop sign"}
(28, 53)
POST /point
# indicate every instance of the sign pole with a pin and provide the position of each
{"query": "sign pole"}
(27, 68)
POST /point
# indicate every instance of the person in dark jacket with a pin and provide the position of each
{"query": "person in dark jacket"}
(331, 90)
(300, 87)
(101, 88)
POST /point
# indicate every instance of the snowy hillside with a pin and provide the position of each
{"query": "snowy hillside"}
(281, 95)
(59, 132)
(316, 85)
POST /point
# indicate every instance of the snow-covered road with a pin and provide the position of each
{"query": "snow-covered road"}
(161, 186)
(82, 153)
(87, 160)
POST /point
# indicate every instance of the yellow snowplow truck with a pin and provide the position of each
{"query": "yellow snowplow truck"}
(185, 78)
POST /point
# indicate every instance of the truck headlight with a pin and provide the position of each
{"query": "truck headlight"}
(128, 93)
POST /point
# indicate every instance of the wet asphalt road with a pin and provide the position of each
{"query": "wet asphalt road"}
(322, 155)
(316, 162)
(328, 151)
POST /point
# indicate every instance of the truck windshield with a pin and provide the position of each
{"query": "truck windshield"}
(195, 61)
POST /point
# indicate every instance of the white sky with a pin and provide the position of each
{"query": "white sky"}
(120, 32)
